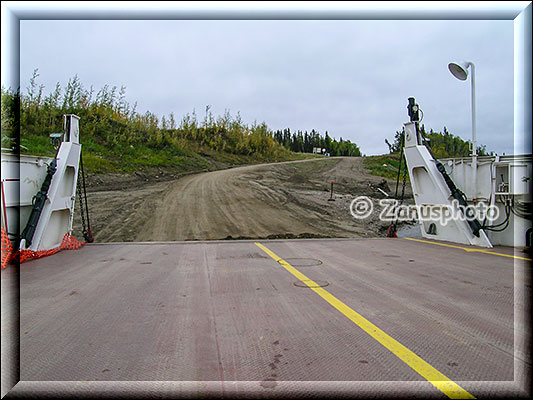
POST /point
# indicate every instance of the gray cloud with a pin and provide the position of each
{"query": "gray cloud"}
(351, 78)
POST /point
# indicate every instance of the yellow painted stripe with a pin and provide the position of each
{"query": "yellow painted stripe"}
(470, 250)
(436, 378)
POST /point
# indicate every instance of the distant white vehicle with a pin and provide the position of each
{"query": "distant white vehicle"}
(319, 150)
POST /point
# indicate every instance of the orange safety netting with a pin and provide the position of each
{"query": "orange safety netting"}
(7, 249)
(69, 243)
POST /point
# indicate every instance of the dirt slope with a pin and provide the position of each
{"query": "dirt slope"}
(280, 200)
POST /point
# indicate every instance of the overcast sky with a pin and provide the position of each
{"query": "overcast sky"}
(351, 78)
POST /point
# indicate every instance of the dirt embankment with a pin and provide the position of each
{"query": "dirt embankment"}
(282, 200)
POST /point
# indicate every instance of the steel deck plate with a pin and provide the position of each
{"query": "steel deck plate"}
(224, 317)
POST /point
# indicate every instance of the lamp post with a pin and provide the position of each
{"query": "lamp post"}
(460, 71)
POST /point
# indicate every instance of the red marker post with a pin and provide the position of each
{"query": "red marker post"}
(331, 196)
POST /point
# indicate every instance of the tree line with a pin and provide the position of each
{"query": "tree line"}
(442, 144)
(304, 142)
(109, 119)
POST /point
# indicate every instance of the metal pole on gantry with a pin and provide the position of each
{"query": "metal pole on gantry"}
(460, 71)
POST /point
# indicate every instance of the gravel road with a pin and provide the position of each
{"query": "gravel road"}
(281, 200)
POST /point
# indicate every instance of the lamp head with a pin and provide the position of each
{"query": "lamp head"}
(459, 70)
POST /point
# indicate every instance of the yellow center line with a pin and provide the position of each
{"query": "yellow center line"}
(433, 376)
(470, 250)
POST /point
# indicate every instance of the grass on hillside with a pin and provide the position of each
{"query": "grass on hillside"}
(124, 158)
(385, 165)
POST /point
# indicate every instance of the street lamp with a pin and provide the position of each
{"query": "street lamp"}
(460, 71)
